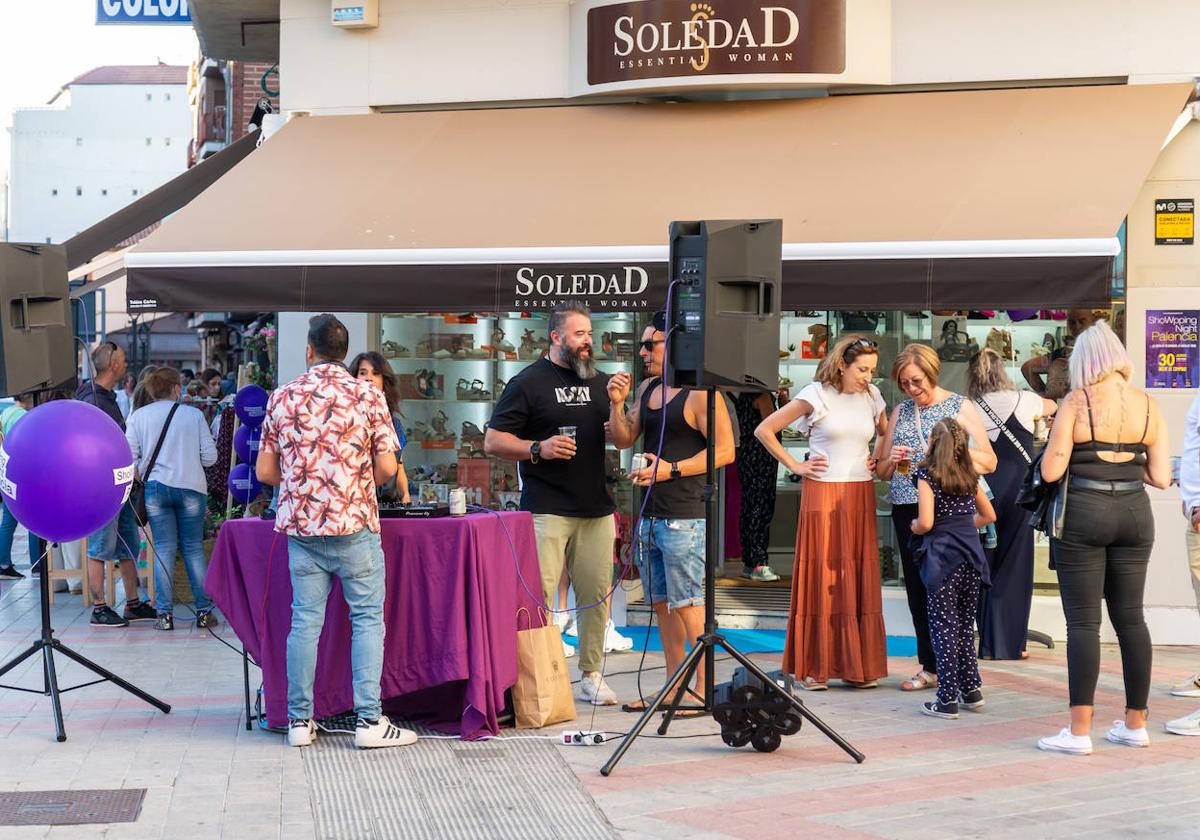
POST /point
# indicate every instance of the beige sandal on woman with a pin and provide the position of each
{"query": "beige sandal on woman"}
(812, 684)
(919, 681)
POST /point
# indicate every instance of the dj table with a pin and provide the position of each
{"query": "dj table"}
(453, 591)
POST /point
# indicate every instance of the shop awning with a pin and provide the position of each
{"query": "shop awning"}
(1005, 199)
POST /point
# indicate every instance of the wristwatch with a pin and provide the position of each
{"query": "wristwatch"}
(535, 451)
(675, 473)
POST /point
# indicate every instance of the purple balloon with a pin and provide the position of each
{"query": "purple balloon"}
(250, 403)
(65, 470)
(244, 484)
(1022, 314)
(245, 444)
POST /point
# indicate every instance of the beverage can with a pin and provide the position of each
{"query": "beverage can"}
(458, 502)
(638, 462)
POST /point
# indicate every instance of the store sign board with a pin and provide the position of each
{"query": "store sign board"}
(159, 12)
(1172, 348)
(1174, 221)
(666, 39)
(607, 287)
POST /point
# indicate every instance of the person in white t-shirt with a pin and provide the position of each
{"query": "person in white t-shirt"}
(1008, 419)
(835, 628)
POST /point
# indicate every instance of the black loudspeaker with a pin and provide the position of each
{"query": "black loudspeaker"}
(37, 348)
(723, 304)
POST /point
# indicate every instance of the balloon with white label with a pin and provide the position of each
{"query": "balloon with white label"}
(244, 484)
(245, 444)
(250, 403)
(65, 470)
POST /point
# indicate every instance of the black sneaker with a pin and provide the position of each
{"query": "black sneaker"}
(141, 611)
(972, 701)
(106, 616)
(205, 619)
(933, 708)
(11, 573)
(165, 621)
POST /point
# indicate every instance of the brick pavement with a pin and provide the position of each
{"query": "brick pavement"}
(980, 776)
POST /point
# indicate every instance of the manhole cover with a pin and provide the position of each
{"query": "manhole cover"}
(70, 807)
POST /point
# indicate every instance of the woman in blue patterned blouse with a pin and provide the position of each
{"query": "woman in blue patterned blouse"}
(916, 370)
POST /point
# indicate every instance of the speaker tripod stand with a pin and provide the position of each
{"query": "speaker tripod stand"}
(703, 651)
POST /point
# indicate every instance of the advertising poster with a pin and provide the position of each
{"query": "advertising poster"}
(1172, 348)
(1174, 221)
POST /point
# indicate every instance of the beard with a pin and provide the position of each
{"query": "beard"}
(584, 366)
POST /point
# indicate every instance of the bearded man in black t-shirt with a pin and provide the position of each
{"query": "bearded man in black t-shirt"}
(563, 476)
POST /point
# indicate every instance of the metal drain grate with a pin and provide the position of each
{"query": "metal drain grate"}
(70, 807)
(447, 790)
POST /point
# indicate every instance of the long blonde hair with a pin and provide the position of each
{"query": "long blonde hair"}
(948, 459)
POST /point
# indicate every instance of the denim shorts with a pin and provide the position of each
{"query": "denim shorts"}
(670, 558)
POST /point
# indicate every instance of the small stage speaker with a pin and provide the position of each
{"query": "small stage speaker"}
(37, 345)
(723, 312)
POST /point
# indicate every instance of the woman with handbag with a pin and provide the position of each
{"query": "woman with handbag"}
(171, 446)
(916, 370)
(835, 624)
(1008, 420)
(1108, 442)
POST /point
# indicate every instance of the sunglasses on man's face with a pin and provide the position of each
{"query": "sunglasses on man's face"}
(648, 344)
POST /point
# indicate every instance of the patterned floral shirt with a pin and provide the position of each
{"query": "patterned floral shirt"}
(327, 427)
(912, 430)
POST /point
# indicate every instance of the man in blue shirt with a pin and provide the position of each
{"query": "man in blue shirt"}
(119, 539)
(1189, 489)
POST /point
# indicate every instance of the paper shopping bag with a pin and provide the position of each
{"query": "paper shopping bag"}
(542, 694)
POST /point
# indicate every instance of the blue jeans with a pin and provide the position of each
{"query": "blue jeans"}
(357, 560)
(670, 558)
(8, 529)
(177, 521)
(118, 540)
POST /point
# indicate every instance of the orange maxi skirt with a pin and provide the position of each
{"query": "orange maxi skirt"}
(835, 624)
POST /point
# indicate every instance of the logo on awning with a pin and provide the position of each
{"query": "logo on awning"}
(616, 287)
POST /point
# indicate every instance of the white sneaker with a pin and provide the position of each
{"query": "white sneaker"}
(571, 628)
(614, 641)
(1189, 688)
(1189, 725)
(595, 690)
(562, 619)
(1065, 742)
(1120, 734)
(381, 733)
(568, 651)
(301, 733)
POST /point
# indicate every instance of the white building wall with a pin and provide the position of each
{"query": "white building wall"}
(102, 144)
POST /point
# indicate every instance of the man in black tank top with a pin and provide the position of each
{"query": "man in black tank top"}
(669, 547)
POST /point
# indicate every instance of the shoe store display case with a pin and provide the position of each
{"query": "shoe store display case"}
(452, 369)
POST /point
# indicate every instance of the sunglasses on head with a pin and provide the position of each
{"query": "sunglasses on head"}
(865, 343)
(648, 344)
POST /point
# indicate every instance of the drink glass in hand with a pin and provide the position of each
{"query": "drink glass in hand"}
(567, 431)
(904, 465)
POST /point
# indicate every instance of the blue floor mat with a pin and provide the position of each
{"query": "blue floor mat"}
(750, 641)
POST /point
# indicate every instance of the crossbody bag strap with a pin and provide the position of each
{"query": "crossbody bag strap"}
(161, 437)
(1003, 427)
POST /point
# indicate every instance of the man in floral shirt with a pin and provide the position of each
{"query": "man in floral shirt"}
(327, 443)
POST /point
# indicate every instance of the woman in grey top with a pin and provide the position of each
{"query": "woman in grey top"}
(176, 490)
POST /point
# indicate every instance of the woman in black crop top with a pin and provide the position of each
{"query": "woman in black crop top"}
(1108, 442)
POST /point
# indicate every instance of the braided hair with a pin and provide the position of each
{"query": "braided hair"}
(948, 459)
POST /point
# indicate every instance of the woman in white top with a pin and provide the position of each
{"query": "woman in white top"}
(1008, 418)
(835, 628)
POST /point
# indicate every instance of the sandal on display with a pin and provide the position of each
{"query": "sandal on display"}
(438, 422)
(478, 392)
(498, 342)
(470, 430)
(919, 682)
(425, 348)
(462, 389)
(393, 350)
(501, 384)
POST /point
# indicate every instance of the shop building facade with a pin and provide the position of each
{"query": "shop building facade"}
(926, 228)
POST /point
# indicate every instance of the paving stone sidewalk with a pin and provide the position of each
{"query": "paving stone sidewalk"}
(980, 776)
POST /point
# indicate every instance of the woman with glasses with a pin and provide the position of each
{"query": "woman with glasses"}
(835, 627)
(916, 370)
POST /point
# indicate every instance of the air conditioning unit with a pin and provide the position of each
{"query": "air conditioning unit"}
(355, 14)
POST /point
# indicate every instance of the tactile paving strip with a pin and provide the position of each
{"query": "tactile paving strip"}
(70, 807)
(448, 790)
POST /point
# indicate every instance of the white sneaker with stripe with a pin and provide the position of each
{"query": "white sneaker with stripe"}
(381, 733)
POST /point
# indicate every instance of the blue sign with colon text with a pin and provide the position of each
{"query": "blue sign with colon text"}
(143, 12)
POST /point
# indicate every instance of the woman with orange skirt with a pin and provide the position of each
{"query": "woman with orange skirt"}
(835, 624)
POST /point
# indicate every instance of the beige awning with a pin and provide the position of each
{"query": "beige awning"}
(1035, 174)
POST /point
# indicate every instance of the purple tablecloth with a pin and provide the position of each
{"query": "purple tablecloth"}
(450, 613)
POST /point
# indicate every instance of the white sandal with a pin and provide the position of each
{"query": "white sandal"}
(919, 681)
(810, 684)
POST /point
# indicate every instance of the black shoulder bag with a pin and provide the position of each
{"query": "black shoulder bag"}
(137, 490)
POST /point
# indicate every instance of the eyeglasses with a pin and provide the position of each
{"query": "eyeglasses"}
(648, 344)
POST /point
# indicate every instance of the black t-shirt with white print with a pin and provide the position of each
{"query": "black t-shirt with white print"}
(535, 403)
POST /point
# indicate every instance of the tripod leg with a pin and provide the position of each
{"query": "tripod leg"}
(52, 690)
(829, 733)
(696, 662)
(113, 678)
(686, 667)
(246, 686)
(17, 660)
